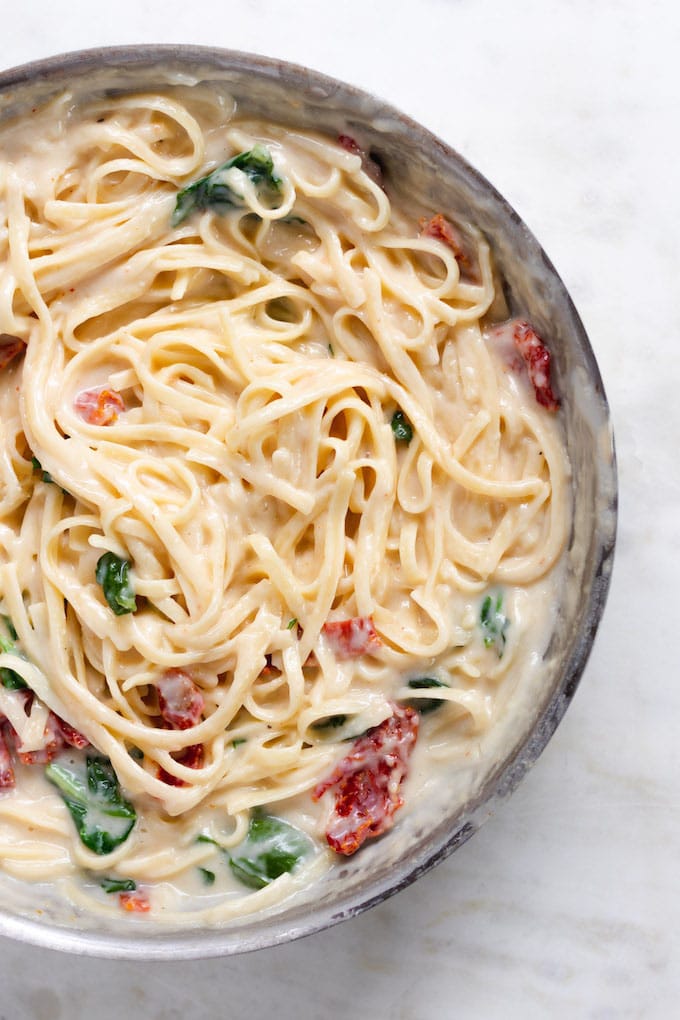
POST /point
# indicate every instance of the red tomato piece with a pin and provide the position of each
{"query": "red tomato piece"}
(6, 770)
(180, 701)
(191, 757)
(440, 228)
(53, 743)
(350, 638)
(135, 902)
(99, 406)
(370, 166)
(368, 780)
(10, 346)
(71, 735)
(57, 735)
(351, 145)
(269, 669)
(536, 357)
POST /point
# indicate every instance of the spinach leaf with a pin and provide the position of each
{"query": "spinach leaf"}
(207, 876)
(494, 623)
(401, 427)
(10, 628)
(92, 794)
(213, 191)
(112, 885)
(112, 573)
(46, 476)
(271, 848)
(329, 722)
(340, 727)
(203, 838)
(8, 677)
(425, 705)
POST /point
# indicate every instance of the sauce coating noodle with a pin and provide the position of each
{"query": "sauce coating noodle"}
(283, 410)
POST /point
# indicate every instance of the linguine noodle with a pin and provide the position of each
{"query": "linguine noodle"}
(246, 461)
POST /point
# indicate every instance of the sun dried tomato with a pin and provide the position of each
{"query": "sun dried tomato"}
(191, 757)
(6, 770)
(57, 736)
(442, 230)
(10, 346)
(72, 736)
(370, 165)
(135, 902)
(367, 782)
(536, 357)
(349, 639)
(180, 701)
(53, 744)
(99, 406)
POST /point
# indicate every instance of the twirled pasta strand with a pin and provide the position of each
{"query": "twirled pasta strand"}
(253, 479)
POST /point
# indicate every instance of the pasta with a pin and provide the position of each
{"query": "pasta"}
(271, 479)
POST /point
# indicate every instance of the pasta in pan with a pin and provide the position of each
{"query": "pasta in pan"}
(276, 497)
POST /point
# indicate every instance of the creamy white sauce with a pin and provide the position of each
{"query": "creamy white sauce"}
(201, 488)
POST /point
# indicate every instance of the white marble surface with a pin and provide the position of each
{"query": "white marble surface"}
(567, 904)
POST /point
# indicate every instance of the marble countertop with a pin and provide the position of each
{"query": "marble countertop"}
(567, 903)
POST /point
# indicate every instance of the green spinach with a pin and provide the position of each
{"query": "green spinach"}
(494, 623)
(213, 191)
(92, 794)
(271, 848)
(401, 427)
(112, 573)
(113, 885)
(8, 677)
(425, 705)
